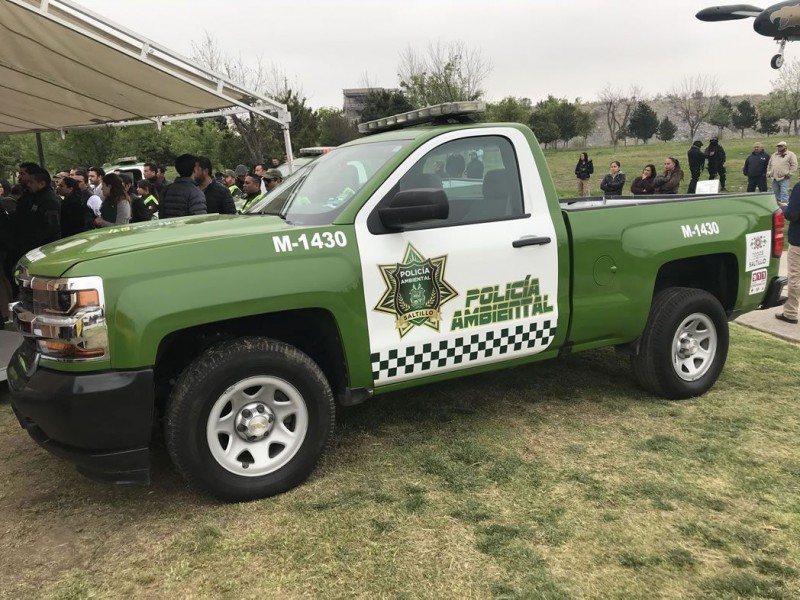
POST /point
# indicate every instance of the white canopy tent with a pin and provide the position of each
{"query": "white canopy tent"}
(64, 67)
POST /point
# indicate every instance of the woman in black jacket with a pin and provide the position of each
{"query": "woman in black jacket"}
(644, 184)
(73, 210)
(583, 171)
(614, 182)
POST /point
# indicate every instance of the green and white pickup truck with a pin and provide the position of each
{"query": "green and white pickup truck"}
(381, 266)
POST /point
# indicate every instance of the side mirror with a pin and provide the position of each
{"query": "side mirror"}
(413, 206)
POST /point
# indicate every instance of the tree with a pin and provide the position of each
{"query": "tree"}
(384, 103)
(770, 111)
(643, 122)
(694, 98)
(560, 118)
(15, 149)
(260, 136)
(448, 73)
(768, 126)
(510, 110)
(721, 115)
(618, 107)
(585, 123)
(786, 93)
(666, 130)
(546, 130)
(334, 127)
(623, 134)
(744, 116)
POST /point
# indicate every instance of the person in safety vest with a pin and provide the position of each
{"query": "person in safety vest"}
(148, 194)
(229, 179)
(252, 190)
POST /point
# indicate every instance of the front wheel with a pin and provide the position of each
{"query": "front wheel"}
(249, 418)
(684, 345)
(777, 61)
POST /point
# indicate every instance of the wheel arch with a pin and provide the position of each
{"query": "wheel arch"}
(715, 273)
(313, 331)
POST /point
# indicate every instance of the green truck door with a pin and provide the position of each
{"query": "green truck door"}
(475, 288)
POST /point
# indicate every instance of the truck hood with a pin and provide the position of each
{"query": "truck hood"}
(54, 259)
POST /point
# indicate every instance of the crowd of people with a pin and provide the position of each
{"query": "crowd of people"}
(759, 166)
(40, 209)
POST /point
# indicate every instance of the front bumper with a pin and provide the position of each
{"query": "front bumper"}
(102, 422)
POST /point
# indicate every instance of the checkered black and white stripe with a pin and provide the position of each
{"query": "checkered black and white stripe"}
(443, 355)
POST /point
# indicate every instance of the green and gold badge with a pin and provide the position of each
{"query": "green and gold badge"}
(416, 290)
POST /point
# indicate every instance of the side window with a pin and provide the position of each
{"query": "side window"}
(479, 175)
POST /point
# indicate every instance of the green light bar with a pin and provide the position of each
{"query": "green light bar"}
(423, 115)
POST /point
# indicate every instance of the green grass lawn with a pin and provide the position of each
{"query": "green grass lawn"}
(635, 157)
(557, 480)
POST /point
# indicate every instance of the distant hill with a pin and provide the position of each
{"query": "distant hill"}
(661, 105)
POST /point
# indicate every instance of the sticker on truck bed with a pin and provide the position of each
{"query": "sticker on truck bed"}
(758, 281)
(759, 249)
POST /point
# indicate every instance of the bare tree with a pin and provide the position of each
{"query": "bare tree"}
(786, 93)
(257, 133)
(694, 98)
(617, 107)
(447, 73)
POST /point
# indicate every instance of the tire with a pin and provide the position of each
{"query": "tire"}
(250, 418)
(777, 61)
(684, 345)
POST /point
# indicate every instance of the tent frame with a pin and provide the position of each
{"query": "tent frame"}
(83, 21)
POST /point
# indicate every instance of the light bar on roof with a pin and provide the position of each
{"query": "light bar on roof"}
(423, 115)
(315, 150)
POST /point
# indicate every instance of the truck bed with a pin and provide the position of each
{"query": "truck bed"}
(624, 247)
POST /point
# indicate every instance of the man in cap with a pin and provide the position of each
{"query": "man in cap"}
(229, 179)
(241, 173)
(755, 168)
(715, 162)
(272, 179)
(782, 165)
(696, 161)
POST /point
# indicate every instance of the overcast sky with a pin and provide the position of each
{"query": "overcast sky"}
(567, 48)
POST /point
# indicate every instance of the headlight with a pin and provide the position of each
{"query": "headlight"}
(66, 317)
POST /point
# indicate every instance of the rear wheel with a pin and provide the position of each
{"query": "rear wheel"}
(684, 345)
(249, 418)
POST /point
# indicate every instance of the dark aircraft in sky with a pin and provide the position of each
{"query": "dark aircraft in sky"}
(780, 21)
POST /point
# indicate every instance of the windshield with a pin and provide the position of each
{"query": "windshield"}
(318, 192)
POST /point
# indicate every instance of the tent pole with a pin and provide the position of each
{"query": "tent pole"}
(287, 142)
(39, 148)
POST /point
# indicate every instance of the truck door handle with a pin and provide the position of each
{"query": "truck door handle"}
(530, 240)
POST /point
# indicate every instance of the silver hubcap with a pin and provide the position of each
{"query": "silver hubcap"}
(257, 425)
(694, 347)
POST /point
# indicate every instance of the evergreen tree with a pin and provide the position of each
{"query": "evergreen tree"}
(720, 116)
(744, 116)
(768, 125)
(666, 130)
(643, 123)
(510, 110)
(382, 103)
(560, 118)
